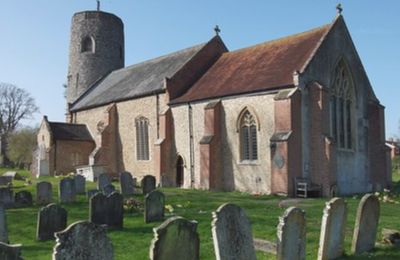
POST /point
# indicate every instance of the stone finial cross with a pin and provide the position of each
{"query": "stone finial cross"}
(217, 30)
(98, 5)
(339, 8)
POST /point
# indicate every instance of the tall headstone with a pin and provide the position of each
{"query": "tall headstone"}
(176, 239)
(331, 242)
(51, 219)
(148, 184)
(107, 210)
(83, 240)
(43, 192)
(80, 184)
(66, 190)
(292, 235)
(10, 252)
(3, 225)
(23, 198)
(366, 225)
(154, 206)
(7, 197)
(108, 189)
(102, 181)
(126, 183)
(232, 234)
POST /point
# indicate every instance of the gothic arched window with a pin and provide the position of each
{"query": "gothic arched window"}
(248, 137)
(142, 138)
(342, 107)
(87, 45)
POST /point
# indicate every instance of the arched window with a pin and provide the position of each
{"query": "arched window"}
(142, 138)
(87, 44)
(248, 137)
(342, 107)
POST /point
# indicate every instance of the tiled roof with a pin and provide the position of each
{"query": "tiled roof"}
(265, 66)
(65, 131)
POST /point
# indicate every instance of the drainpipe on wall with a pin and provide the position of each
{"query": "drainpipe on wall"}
(191, 146)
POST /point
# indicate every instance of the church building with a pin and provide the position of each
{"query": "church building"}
(254, 120)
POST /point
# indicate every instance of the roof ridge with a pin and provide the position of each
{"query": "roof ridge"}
(63, 123)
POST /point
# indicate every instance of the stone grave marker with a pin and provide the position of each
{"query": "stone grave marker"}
(51, 219)
(108, 189)
(23, 199)
(366, 225)
(126, 183)
(102, 181)
(232, 234)
(90, 193)
(291, 233)
(7, 197)
(176, 239)
(10, 252)
(83, 240)
(331, 242)
(43, 192)
(80, 184)
(154, 206)
(107, 210)
(3, 225)
(13, 176)
(66, 190)
(148, 184)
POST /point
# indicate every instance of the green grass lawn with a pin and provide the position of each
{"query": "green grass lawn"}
(133, 241)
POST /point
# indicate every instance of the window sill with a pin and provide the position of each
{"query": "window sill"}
(250, 163)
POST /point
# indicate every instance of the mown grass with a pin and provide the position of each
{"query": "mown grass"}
(133, 241)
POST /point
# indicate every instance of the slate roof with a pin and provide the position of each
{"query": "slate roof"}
(65, 131)
(135, 81)
(265, 66)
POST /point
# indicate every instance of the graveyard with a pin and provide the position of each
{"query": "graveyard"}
(133, 240)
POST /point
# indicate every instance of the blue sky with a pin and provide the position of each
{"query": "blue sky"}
(35, 37)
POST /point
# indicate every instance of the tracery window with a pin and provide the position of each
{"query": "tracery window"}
(142, 138)
(248, 137)
(341, 107)
(87, 45)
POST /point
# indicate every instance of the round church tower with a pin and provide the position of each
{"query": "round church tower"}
(96, 49)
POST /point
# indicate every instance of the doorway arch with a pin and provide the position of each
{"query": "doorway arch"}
(180, 164)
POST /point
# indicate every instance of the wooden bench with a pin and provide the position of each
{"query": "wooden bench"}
(303, 187)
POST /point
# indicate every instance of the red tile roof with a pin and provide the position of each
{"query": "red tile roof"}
(265, 66)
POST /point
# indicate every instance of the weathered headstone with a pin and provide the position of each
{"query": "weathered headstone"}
(154, 206)
(51, 219)
(10, 252)
(292, 235)
(148, 184)
(7, 197)
(23, 198)
(333, 229)
(176, 239)
(3, 225)
(105, 210)
(126, 183)
(80, 183)
(232, 234)
(102, 181)
(91, 193)
(83, 240)
(13, 176)
(108, 189)
(43, 192)
(366, 225)
(66, 190)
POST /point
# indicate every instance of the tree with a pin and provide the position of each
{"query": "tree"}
(21, 144)
(16, 104)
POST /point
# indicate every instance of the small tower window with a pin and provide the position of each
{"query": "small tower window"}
(88, 45)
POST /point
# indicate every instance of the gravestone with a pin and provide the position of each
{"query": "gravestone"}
(333, 229)
(7, 197)
(80, 183)
(366, 225)
(23, 199)
(83, 240)
(148, 184)
(126, 183)
(10, 252)
(13, 176)
(51, 219)
(154, 206)
(102, 181)
(232, 234)
(3, 225)
(291, 242)
(90, 193)
(108, 189)
(176, 239)
(107, 210)
(66, 190)
(43, 192)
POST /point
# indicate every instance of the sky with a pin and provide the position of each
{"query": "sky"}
(34, 38)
